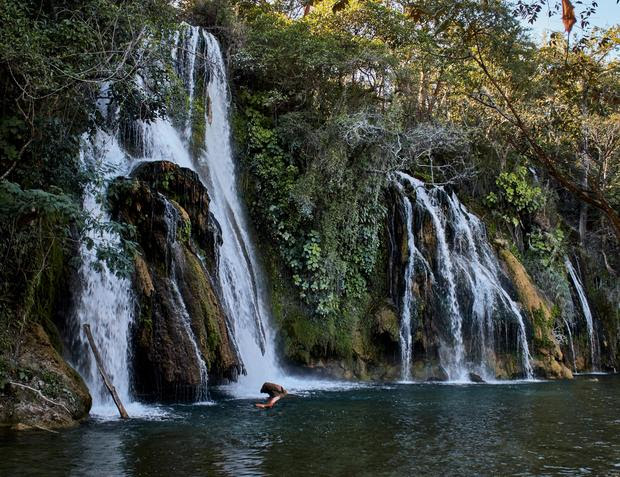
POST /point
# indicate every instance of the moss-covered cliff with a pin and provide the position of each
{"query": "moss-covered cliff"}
(175, 281)
(38, 389)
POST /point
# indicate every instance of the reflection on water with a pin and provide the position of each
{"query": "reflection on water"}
(543, 428)
(98, 452)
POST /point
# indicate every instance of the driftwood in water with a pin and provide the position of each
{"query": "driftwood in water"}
(104, 375)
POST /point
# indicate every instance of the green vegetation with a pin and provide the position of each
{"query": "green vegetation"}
(322, 99)
(56, 61)
(330, 98)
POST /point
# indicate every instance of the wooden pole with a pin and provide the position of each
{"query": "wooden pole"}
(104, 375)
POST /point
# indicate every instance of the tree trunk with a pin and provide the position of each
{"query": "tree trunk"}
(583, 222)
(104, 374)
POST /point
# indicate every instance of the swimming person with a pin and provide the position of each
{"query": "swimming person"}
(275, 391)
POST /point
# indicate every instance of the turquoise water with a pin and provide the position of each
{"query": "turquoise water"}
(542, 428)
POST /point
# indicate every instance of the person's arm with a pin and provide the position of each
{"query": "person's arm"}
(269, 404)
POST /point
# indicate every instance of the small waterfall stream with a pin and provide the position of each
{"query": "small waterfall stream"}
(571, 344)
(587, 313)
(172, 218)
(408, 302)
(105, 301)
(470, 278)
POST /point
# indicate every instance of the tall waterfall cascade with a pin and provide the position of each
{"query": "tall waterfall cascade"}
(587, 314)
(106, 301)
(406, 339)
(467, 273)
(239, 272)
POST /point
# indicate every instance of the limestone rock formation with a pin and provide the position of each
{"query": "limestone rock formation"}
(548, 356)
(174, 277)
(43, 392)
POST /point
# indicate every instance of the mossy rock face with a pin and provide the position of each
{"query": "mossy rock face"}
(360, 343)
(184, 188)
(39, 389)
(606, 308)
(174, 277)
(386, 323)
(208, 319)
(549, 359)
(550, 368)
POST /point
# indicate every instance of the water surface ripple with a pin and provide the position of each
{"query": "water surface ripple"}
(540, 428)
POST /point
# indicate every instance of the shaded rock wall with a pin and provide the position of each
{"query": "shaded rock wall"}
(549, 359)
(165, 365)
(42, 391)
(38, 389)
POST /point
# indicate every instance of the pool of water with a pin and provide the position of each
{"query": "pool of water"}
(540, 428)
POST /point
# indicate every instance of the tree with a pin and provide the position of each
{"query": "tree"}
(572, 90)
(54, 59)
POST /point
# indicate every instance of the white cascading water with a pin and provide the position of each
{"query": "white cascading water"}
(406, 345)
(587, 313)
(197, 52)
(414, 258)
(239, 273)
(106, 300)
(468, 257)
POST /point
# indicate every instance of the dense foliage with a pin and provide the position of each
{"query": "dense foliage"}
(329, 103)
(57, 59)
(330, 99)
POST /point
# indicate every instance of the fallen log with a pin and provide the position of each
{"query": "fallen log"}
(104, 374)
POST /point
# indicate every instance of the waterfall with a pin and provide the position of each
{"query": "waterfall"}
(571, 344)
(105, 301)
(200, 65)
(239, 271)
(470, 278)
(171, 218)
(452, 354)
(196, 137)
(587, 313)
(406, 341)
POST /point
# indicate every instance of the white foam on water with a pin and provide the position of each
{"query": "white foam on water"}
(135, 410)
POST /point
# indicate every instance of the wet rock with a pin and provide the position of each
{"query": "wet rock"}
(386, 324)
(548, 367)
(174, 275)
(183, 186)
(42, 391)
(476, 378)
(439, 375)
(550, 359)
